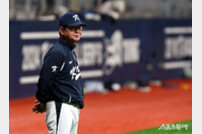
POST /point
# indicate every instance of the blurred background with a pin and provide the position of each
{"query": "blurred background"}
(127, 42)
(123, 9)
(137, 45)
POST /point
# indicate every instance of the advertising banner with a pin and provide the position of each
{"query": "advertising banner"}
(124, 50)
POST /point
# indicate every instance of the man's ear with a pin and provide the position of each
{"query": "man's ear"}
(61, 30)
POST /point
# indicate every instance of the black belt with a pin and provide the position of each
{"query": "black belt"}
(75, 105)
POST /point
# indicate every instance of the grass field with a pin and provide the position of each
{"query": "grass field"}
(184, 127)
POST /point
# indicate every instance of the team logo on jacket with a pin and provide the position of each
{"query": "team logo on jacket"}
(75, 72)
(54, 68)
(70, 62)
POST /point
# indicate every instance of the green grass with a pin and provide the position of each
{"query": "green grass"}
(184, 127)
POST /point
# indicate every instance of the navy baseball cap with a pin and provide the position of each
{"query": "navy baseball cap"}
(71, 19)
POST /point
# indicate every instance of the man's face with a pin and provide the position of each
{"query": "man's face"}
(71, 34)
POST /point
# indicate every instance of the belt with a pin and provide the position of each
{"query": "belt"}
(67, 102)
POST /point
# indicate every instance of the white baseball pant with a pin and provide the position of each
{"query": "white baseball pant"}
(61, 118)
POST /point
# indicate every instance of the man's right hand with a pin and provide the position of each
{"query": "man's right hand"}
(39, 107)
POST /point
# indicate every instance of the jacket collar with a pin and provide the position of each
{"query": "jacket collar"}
(65, 43)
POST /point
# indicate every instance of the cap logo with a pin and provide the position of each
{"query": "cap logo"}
(76, 17)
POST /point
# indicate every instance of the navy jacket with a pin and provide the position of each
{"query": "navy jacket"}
(60, 77)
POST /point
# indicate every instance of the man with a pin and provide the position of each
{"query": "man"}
(60, 87)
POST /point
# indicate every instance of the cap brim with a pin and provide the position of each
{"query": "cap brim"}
(77, 24)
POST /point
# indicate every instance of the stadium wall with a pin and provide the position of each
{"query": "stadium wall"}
(109, 51)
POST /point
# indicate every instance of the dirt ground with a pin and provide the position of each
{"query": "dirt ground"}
(114, 112)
